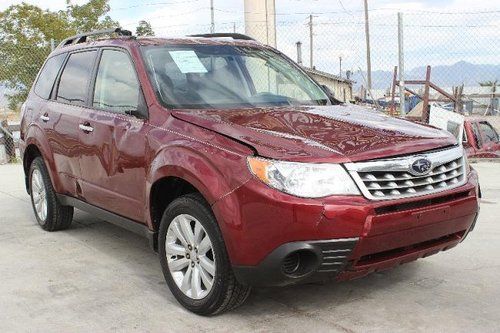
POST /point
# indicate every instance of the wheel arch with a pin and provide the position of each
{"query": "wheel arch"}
(33, 150)
(177, 171)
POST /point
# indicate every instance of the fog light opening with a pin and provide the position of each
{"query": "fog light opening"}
(299, 263)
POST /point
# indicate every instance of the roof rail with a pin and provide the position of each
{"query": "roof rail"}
(82, 38)
(224, 34)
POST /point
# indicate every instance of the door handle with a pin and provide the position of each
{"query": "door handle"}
(45, 117)
(86, 128)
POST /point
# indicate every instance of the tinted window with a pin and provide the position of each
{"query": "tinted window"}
(453, 128)
(477, 136)
(226, 76)
(116, 86)
(45, 82)
(75, 78)
(489, 134)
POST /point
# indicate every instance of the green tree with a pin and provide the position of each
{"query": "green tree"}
(144, 29)
(25, 35)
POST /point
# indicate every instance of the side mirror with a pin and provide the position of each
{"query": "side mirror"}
(141, 114)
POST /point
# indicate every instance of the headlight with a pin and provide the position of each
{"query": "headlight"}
(305, 180)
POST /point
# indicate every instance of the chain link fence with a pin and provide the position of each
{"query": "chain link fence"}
(461, 49)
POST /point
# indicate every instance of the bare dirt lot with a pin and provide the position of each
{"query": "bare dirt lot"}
(96, 277)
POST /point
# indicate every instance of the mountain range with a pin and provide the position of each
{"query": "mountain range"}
(459, 73)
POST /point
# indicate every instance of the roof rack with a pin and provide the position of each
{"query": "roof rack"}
(82, 38)
(224, 34)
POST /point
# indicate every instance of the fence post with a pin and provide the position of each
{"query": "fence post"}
(311, 41)
(402, 100)
(425, 102)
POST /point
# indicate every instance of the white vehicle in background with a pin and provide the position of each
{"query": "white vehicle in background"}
(478, 136)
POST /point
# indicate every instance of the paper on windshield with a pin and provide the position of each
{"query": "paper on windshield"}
(188, 62)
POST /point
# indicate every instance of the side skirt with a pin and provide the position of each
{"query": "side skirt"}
(118, 220)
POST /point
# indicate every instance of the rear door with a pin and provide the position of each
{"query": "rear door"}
(113, 166)
(70, 98)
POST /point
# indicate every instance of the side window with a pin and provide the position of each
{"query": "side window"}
(489, 134)
(75, 78)
(45, 82)
(116, 86)
(453, 128)
(477, 135)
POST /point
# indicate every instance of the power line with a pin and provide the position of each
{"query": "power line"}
(155, 4)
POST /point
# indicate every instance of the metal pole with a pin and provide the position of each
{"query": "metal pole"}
(267, 23)
(52, 44)
(299, 53)
(340, 66)
(311, 41)
(212, 14)
(234, 27)
(368, 59)
(402, 101)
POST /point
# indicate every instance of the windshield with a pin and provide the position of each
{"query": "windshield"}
(227, 76)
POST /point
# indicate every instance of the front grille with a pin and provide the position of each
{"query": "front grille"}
(385, 255)
(394, 179)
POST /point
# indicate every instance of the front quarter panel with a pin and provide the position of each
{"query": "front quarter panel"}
(215, 165)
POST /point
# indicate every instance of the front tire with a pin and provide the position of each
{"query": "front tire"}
(49, 213)
(194, 260)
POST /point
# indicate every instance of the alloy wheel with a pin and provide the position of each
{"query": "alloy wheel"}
(190, 256)
(39, 194)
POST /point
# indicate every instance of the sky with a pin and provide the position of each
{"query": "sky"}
(435, 31)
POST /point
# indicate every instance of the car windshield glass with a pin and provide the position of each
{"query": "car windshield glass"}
(227, 76)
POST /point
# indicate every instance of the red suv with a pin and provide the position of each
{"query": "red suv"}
(240, 169)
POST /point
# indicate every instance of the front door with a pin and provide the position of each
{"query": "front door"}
(113, 166)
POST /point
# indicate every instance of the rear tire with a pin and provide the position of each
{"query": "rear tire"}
(49, 213)
(201, 280)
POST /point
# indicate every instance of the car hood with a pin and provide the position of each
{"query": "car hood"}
(340, 133)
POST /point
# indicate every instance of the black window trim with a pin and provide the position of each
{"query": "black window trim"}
(56, 79)
(95, 70)
(55, 89)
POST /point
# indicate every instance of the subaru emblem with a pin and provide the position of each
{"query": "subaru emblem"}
(422, 166)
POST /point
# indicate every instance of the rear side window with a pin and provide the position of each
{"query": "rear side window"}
(45, 82)
(477, 135)
(116, 86)
(453, 128)
(75, 78)
(489, 134)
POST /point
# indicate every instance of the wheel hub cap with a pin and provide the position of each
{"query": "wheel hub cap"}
(190, 256)
(39, 195)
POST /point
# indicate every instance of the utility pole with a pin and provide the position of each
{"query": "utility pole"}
(234, 27)
(311, 41)
(212, 25)
(340, 66)
(402, 100)
(368, 58)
